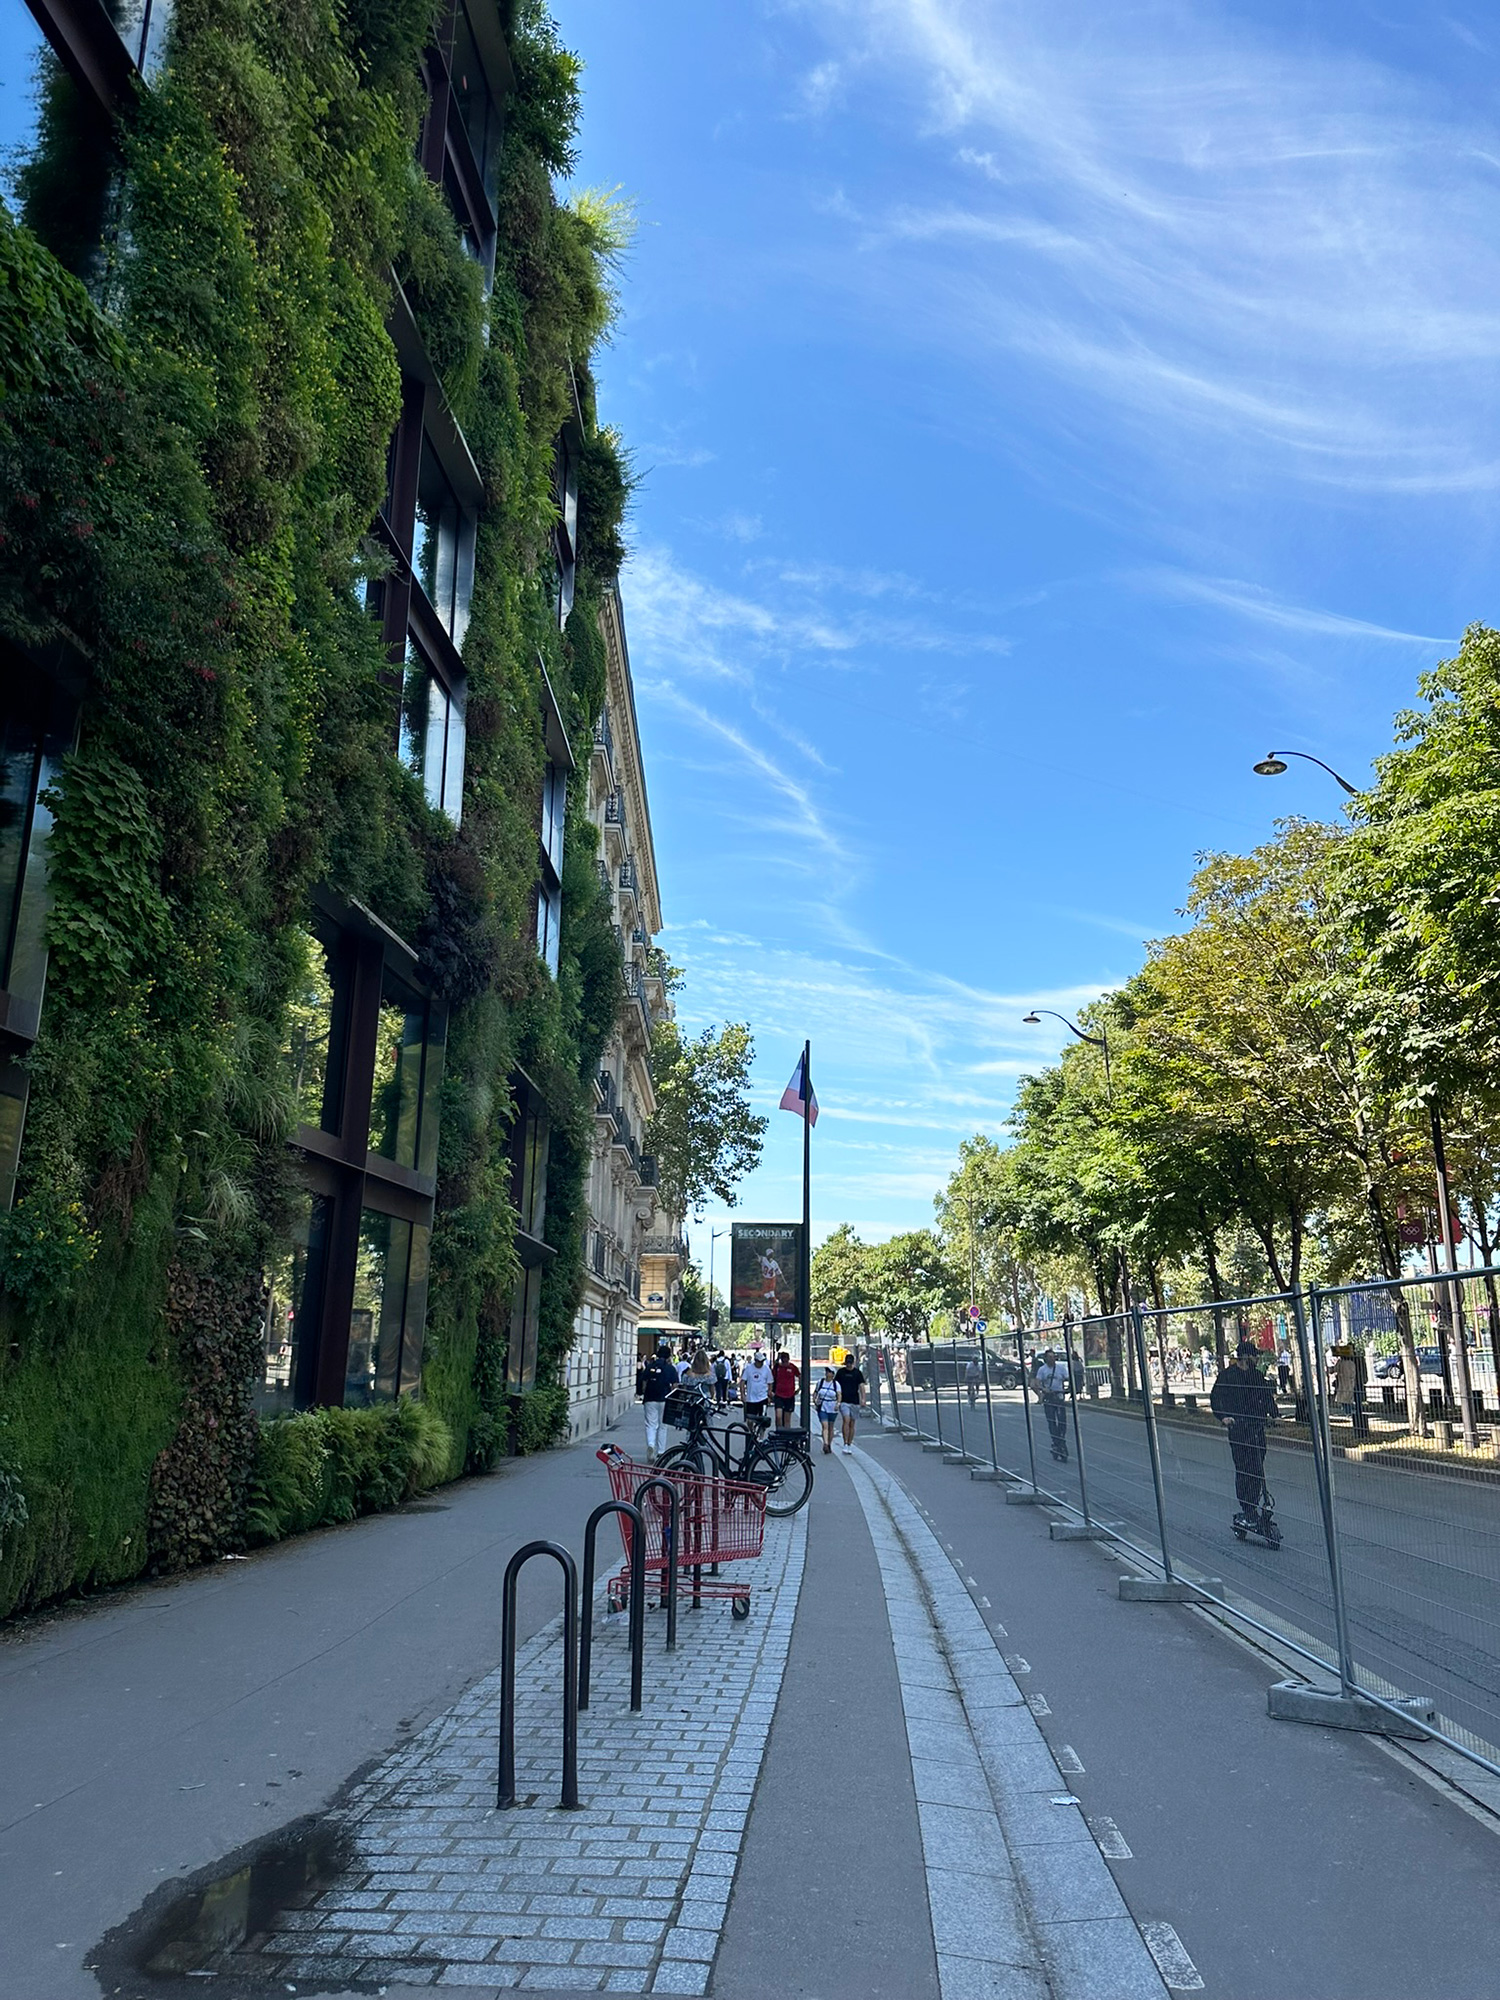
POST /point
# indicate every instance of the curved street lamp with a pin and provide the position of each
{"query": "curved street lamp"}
(1099, 1041)
(1274, 763)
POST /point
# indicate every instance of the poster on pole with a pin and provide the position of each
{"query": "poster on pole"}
(764, 1260)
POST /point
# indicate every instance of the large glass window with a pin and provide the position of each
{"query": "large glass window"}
(442, 557)
(433, 735)
(529, 1166)
(315, 1030)
(390, 1302)
(20, 770)
(525, 1318)
(293, 1296)
(408, 1074)
(548, 925)
(475, 102)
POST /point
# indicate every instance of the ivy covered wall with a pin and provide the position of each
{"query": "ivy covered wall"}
(193, 440)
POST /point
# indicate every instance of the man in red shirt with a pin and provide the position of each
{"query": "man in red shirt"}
(784, 1377)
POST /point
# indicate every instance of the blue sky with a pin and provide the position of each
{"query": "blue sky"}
(1042, 409)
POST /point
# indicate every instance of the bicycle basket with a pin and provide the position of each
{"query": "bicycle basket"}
(681, 1408)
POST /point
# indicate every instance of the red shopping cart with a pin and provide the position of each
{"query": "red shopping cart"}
(718, 1521)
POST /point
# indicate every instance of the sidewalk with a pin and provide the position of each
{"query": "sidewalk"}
(942, 1760)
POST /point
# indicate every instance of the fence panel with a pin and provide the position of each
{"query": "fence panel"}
(1417, 1515)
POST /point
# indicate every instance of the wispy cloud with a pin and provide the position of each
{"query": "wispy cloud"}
(1249, 600)
(1288, 251)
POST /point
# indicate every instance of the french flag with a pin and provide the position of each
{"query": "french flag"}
(799, 1096)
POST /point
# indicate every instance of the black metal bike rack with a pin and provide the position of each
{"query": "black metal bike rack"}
(673, 1541)
(506, 1792)
(637, 1597)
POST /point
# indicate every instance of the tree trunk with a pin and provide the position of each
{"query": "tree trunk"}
(1216, 1286)
(1153, 1279)
(1482, 1231)
(1389, 1254)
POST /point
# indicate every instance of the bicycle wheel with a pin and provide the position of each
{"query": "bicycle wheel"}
(786, 1475)
(687, 1458)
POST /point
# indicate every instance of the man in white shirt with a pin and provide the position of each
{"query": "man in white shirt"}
(755, 1385)
(1051, 1383)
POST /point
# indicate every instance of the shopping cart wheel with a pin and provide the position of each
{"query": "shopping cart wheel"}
(740, 1607)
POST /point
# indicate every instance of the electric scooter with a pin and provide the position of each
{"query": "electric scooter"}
(1261, 1525)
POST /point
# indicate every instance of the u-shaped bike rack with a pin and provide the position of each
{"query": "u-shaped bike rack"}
(637, 1597)
(506, 1791)
(674, 1543)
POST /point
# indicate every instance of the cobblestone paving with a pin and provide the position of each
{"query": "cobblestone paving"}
(625, 1896)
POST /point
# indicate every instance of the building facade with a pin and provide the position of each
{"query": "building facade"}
(299, 667)
(622, 1176)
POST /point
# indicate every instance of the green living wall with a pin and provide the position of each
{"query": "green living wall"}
(196, 398)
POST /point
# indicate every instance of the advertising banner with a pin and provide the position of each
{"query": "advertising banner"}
(764, 1260)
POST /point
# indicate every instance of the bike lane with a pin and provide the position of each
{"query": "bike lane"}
(1271, 1849)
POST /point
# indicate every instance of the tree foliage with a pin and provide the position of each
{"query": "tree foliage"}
(704, 1135)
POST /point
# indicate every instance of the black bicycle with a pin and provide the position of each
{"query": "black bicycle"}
(778, 1460)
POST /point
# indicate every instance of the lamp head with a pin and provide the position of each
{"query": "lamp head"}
(1268, 767)
(1031, 1020)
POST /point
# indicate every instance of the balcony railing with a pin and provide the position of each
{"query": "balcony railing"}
(648, 1170)
(663, 1246)
(604, 736)
(628, 876)
(614, 809)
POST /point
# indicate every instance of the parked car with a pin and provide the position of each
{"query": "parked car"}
(1390, 1368)
(949, 1365)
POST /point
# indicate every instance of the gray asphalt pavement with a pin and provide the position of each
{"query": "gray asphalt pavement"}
(149, 1732)
(1421, 1552)
(1294, 1863)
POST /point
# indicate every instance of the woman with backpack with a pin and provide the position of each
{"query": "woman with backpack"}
(826, 1403)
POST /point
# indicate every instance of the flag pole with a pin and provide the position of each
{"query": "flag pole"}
(806, 1273)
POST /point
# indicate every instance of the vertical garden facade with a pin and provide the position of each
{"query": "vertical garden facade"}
(305, 963)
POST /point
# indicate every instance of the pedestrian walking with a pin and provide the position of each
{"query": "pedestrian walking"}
(657, 1380)
(1283, 1368)
(972, 1378)
(785, 1376)
(826, 1404)
(700, 1375)
(1244, 1402)
(721, 1382)
(755, 1387)
(851, 1383)
(1050, 1381)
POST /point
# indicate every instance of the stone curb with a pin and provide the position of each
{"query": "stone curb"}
(1023, 1905)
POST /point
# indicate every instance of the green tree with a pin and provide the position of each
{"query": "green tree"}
(704, 1135)
(910, 1280)
(842, 1280)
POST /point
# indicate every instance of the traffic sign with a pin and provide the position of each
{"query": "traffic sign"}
(973, 1312)
(981, 1325)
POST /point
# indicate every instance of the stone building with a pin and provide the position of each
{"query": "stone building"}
(622, 1177)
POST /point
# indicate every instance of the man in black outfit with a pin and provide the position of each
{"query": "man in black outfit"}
(1244, 1402)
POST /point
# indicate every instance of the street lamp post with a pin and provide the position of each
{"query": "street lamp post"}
(713, 1237)
(1274, 763)
(1101, 1042)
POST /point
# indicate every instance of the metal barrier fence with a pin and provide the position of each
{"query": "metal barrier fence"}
(1364, 1535)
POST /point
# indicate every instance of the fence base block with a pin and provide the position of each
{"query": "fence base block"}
(984, 1472)
(1167, 1590)
(1023, 1496)
(960, 1458)
(1081, 1531)
(1299, 1701)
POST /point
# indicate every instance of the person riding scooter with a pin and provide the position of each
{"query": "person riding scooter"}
(1244, 1402)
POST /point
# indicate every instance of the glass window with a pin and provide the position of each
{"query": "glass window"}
(409, 1045)
(442, 556)
(373, 1370)
(294, 1291)
(315, 1030)
(554, 814)
(475, 101)
(390, 1306)
(525, 1316)
(396, 1101)
(20, 775)
(433, 735)
(13, 1084)
(548, 925)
